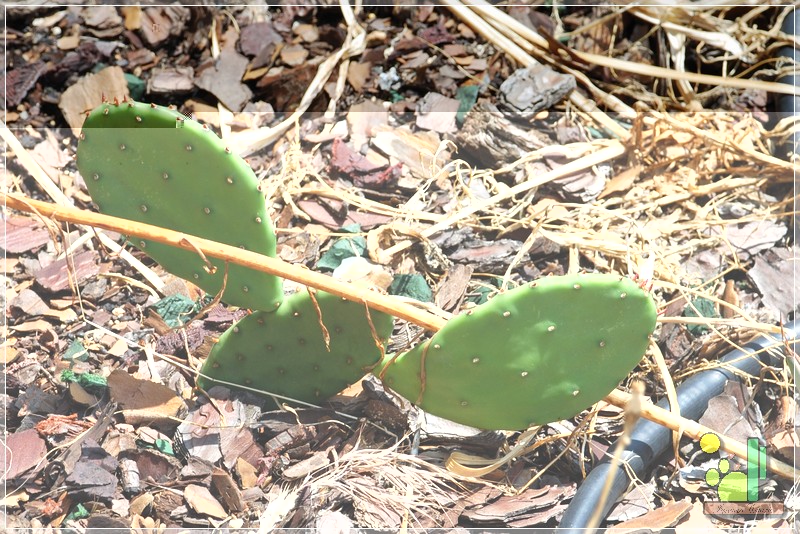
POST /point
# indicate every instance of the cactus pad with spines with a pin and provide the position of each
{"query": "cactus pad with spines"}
(151, 164)
(284, 352)
(535, 354)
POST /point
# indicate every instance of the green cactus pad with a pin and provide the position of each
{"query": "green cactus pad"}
(151, 164)
(536, 354)
(284, 352)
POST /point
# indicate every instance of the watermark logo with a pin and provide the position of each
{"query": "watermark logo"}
(738, 490)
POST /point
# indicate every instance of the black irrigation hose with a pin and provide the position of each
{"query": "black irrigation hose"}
(650, 440)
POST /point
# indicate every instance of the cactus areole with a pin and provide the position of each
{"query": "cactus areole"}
(152, 164)
(536, 354)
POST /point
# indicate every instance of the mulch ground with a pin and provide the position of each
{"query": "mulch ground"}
(415, 148)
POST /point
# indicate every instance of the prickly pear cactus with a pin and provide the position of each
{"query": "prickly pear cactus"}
(533, 355)
(284, 352)
(151, 164)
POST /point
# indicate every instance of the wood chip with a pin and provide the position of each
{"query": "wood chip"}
(294, 55)
(201, 501)
(24, 450)
(140, 503)
(69, 42)
(161, 22)
(224, 80)
(414, 150)
(226, 488)
(171, 80)
(28, 304)
(56, 276)
(80, 395)
(24, 234)
(510, 507)
(437, 113)
(10, 354)
(654, 521)
(364, 118)
(119, 347)
(88, 93)
(133, 18)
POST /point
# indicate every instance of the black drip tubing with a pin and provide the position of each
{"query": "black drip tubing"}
(650, 440)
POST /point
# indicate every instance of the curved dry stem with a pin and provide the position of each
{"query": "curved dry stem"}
(384, 303)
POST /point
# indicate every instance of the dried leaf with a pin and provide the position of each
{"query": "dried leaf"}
(201, 501)
(621, 182)
(142, 401)
(774, 273)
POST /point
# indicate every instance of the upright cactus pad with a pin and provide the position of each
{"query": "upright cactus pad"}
(151, 164)
(533, 355)
(284, 352)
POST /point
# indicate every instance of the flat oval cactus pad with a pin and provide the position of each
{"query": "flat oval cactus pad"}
(284, 352)
(151, 164)
(536, 354)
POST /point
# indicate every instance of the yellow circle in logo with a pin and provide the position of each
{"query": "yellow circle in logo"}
(709, 443)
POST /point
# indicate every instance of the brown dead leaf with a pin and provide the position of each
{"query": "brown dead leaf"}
(621, 182)
(201, 501)
(10, 354)
(142, 401)
(247, 473)
(358, 74)
(773, 274)
(80, 395)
